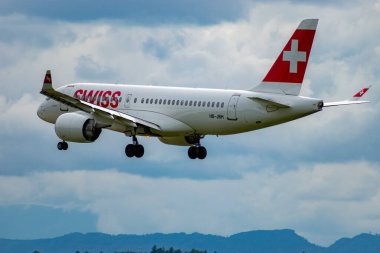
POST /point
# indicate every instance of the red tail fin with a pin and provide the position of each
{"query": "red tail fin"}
(287, 73)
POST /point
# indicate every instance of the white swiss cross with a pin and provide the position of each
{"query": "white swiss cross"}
(294, 56)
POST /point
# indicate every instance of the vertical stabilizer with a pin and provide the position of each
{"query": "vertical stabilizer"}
(287, 73)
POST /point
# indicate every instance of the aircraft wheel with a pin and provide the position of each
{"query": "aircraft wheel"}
(139, 150)
(65, 146)
(202, 152)
(130, 150)
(192, 152)
(62, 145)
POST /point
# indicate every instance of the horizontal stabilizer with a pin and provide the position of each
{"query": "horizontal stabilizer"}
(346, 102)
(354, 100)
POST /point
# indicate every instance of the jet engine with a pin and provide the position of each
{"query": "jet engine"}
(76, 127)
(180, 140)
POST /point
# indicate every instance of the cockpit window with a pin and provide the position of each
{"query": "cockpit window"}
(47, 99)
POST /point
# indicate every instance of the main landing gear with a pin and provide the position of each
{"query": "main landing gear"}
(135, 149)
(62, 145)
(197, 151)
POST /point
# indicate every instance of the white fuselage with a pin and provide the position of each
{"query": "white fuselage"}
(183, 116)
(185, 111)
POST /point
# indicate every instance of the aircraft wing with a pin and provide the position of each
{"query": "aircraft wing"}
(49, 91)
(354, 100)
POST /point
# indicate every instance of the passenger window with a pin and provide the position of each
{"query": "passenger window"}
(177, 102)
(147, 101)
(151, 100)
(213, 104)
(217, 104)
(155, 101)
(181, 102)
(190, 103)
(164, 101)
(208, 104)
(186, 103)
(204, 104)
(160, 101)
(135, 100)
(222, 105)
(199, 103)
(142, 101)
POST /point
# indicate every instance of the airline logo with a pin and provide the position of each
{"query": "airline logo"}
(361, 93)
(290, 65)
(294, 56)
(47, 78)
(102, 98)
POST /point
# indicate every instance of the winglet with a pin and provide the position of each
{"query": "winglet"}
(360, 93)
(47, 86)
(353, 100)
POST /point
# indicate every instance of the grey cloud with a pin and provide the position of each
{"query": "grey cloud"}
(131, 11)
(231, 55)
(90, 70)
(16, 29)
(155, 48)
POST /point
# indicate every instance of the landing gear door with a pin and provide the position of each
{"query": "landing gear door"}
(128, 99)
(232, 105)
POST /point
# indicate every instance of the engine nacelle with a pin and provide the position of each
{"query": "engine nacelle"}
(76, 127)
(179, 140)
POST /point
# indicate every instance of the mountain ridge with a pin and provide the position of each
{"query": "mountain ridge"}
(258, 241)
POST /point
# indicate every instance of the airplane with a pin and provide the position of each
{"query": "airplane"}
(183, 116)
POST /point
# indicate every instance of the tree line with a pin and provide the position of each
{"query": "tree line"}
(155, 249)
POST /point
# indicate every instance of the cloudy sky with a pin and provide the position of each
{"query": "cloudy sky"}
(319, 175)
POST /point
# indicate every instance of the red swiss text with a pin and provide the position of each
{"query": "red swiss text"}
(102, 98)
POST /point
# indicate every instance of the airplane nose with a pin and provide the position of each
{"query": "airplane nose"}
(40, 112)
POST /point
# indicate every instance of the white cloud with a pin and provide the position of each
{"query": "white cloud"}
(19, 115)
(322, 202)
